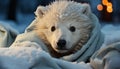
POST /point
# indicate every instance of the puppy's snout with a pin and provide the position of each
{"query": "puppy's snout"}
(61, 44)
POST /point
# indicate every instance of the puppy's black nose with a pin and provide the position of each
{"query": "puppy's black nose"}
(61, 44)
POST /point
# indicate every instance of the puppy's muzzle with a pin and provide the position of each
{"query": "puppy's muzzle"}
(61, 44)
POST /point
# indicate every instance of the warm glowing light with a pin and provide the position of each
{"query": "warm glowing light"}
(108, 5)
(99, 7)
(109, 9)
(104, 2)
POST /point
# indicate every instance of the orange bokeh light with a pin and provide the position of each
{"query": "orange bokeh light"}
(109, 9)
(104, 2)
(109, 4)
(99, 7)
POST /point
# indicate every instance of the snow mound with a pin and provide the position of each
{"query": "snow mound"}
(112, 34)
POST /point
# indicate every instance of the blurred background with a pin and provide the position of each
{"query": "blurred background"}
(20, 13)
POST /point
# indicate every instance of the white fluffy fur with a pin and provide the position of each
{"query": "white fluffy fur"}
(63, 15)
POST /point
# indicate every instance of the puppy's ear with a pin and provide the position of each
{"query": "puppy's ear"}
(86, 9)
(40, 11)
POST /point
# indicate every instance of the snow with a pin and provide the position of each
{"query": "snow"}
(112, 33)
(18, 58)
(27, 56)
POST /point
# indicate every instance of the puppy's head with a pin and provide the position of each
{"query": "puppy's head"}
(64, 24)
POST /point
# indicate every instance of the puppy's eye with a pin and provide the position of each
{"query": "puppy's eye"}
(53, 28)
(72, 29)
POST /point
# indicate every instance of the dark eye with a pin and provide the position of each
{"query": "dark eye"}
(53, 28)
(72, 29)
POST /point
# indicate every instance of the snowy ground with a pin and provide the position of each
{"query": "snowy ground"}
(112, 33)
